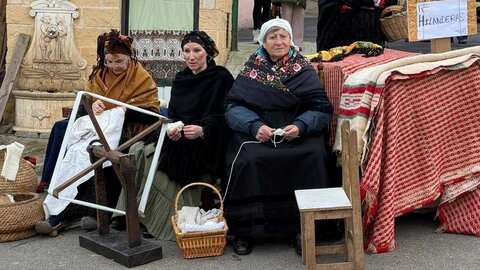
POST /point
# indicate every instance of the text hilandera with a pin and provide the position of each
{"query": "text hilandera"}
(426, 21)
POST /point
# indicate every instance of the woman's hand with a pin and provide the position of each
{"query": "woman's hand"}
(291, 132)
(264, 133)
(192, 131)
(98, 107)
(174, 134)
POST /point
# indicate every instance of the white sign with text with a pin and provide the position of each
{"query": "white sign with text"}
(440, 19)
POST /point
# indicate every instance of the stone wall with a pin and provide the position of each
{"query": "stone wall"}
(96, 16)
(43, 87)
(216, 20)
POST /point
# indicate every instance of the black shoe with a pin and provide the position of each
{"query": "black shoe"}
(146, 234)
(242, 246)
(119, 223)
(51, 226)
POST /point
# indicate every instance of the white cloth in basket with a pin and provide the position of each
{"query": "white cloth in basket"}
(11, 162)
(201, 228)
(191, 219)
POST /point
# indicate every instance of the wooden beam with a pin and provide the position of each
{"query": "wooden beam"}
(12, 69)
(440, 45)
(3, 47)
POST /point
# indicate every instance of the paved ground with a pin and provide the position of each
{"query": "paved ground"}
(419, 246)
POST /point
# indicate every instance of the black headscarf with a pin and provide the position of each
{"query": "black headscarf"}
(204, 40)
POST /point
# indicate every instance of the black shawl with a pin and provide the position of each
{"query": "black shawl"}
(279, 92)
(197, 99)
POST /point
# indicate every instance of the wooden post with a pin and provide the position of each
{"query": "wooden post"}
(100, 193)
(127, 167)
(12, 69)
(3, 46)
(3, 31)
(126, 164)
(440, 45)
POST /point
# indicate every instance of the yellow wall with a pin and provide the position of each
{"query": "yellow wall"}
(213, 20)
(98, 16)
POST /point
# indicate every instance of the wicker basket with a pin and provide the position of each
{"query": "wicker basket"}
(393, 22)
(200, 244)
(26, 180)
(17, 220)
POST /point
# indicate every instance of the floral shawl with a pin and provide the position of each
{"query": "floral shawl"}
(259, 68)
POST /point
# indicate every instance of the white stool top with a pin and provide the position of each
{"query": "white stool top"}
(322, 199)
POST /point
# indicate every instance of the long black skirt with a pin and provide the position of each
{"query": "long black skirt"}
(260, 196)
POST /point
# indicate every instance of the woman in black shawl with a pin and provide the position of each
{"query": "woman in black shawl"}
(277, 89)
(193, 154)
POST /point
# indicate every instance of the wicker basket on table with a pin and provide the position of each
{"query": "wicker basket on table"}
(17, 220)
(204, 243)
(26, 180)
(393, 22)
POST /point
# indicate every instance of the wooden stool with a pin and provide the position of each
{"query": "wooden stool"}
(335, 203)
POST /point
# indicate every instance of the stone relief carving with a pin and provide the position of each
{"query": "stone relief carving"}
(53, 62)
(53, 40)
(39, 113)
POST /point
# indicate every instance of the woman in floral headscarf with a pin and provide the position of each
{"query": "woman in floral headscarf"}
(277, 89)
(116, 75)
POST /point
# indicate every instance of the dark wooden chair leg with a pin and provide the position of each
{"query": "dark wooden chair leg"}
(127, 167)
(101, 196)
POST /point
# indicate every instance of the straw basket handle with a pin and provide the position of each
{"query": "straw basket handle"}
(391, 9)
(199, 184)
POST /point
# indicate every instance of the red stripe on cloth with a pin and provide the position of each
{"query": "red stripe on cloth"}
(361, 110)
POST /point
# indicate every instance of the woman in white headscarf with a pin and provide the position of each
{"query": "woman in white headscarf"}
(277, 89)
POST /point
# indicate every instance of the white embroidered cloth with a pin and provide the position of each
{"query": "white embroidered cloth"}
(77, 158)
